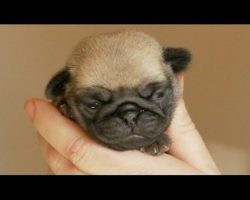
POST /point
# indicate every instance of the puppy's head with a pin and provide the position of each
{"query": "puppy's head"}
(121, 87)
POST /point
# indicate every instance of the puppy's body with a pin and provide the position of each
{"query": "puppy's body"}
(122, 89)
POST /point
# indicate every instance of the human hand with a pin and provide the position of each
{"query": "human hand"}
(68, 150)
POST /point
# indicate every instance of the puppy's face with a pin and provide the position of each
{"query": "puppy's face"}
(125, 118)
(121, 88)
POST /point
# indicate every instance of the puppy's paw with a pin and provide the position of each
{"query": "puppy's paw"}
(160, 146)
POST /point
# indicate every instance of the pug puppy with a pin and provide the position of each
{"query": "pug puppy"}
(122, 89)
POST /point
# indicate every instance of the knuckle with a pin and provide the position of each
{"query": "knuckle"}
(212, 170)
(68, 168)
(79, 151)
(54, 160)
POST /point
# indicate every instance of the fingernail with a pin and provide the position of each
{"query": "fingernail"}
(30, 108)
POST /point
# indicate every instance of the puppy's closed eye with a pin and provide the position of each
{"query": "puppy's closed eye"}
(158, 95)
(153, 91)
(94, 105)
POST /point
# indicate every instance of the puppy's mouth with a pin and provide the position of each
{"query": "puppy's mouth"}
(132, 142)
(124, 139)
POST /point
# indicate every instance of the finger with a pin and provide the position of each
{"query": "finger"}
(58, 165)
(58, 132)
(187, 143)
(50, 171)
(68, 139)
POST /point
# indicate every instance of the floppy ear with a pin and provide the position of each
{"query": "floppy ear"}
(56, 86)
(178, 58)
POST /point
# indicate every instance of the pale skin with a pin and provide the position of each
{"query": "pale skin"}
(69, 150)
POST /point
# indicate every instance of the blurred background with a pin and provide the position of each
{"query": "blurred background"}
(216, 87)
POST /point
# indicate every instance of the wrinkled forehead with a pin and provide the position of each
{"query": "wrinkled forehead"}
(113, 74)
(115, 81)
(103, 94)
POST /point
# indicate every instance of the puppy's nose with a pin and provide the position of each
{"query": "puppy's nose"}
(129, 113)
(130, 117)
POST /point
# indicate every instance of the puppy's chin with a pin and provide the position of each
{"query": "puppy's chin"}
(117, 134)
